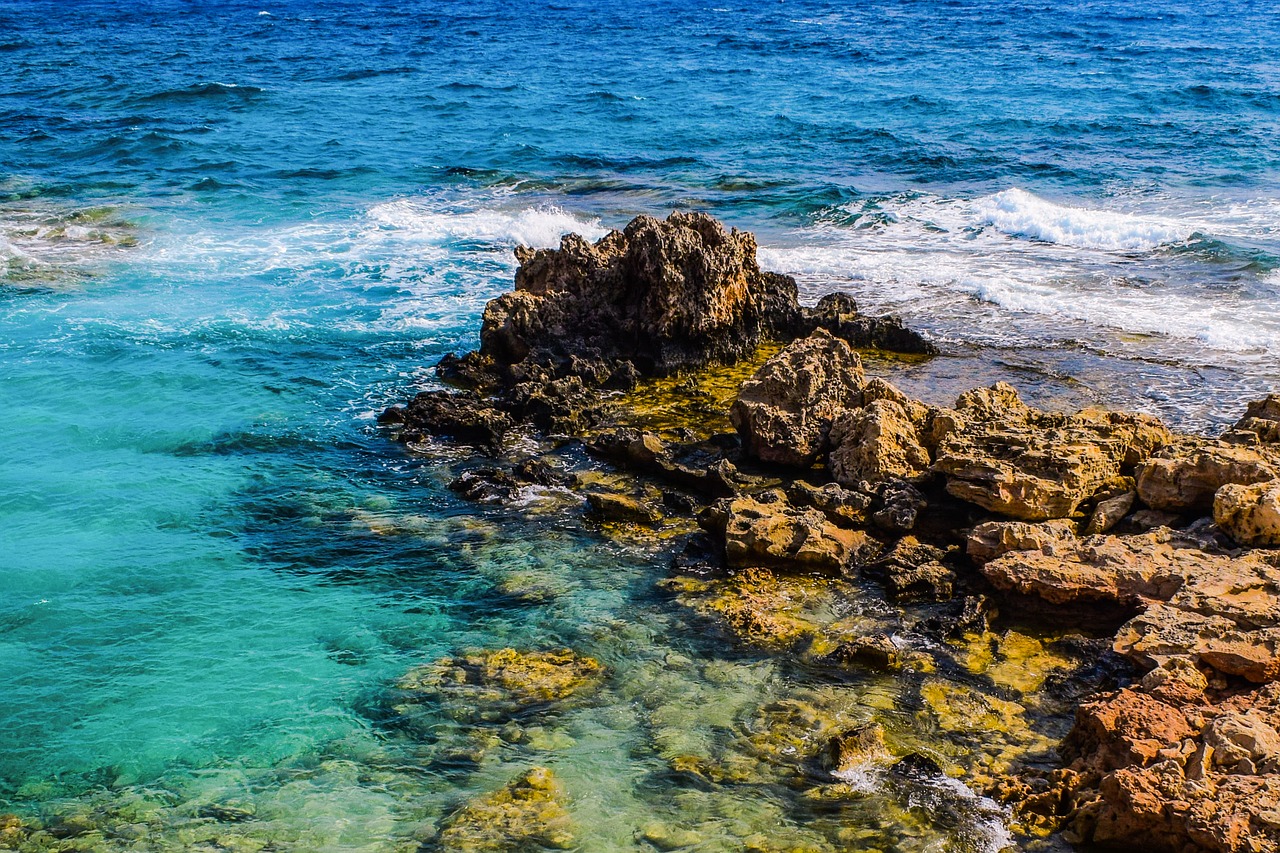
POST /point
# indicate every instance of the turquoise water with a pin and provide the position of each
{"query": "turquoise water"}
(231, 233)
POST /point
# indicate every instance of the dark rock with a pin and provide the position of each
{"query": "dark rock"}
(914, 571)
(700, 467)
(665, 295)
(838, 314)
(485, 485)
(898, 505)
(613, 507)
(464, 417)
(876, 652)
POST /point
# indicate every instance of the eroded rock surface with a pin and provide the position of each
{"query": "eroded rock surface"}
(1249, 514)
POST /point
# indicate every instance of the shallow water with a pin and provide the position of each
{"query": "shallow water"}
(231, 234)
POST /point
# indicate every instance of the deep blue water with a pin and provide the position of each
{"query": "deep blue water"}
(230, 233)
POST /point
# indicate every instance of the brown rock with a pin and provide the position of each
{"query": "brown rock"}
(1108, 513)
(1249, 514)
(854, 748)
(768, 531)
(526, 813)
(1262, 418)
(1184, 480)
(613, 507)
(992, 539)
(874, 444)
(784, 412)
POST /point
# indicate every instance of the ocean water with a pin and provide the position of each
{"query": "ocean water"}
(230, 233)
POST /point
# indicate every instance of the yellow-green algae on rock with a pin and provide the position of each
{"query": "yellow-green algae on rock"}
(528, 813)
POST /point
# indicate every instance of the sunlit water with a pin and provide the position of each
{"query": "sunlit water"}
(230, 235)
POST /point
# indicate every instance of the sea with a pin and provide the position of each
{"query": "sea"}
(232, 232)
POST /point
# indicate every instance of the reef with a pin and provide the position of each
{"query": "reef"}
(828, 520)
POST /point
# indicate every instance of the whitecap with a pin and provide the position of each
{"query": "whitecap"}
(1019, 213)
(539, 227)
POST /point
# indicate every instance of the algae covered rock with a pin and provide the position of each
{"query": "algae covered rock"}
(766, 530)
(757, 606)
(528, 813)
(785, 411)
(492, 685)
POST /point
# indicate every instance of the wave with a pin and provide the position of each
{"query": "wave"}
(198, 91)
(1018, 213)
(539, 227)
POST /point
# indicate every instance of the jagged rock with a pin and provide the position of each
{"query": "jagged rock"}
(464, 417)
(784, 412)
(565, 405)
(838, 314)
(875, 443)
(1262, 418)
(613, 507)
(665, 295)
(485, 485)
(1108, 513)
(898, 504)
(1168, 768)
(876, 652)
(842, 507)
(767, 531)
(1033, 465)
(913, 571)
(991, 539)
(525, 814)
(1249, 514)
(1179, 480)
(700, 467)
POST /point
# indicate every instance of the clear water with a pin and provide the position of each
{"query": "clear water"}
(230, 233)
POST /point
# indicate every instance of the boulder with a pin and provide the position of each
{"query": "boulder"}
(784, 412)
(664, 295)
(766, 530)
(1262, 418)
(876, 443)
(992, 539)
(1033, 466)
(842, 507)
(1185, 480)
(609, 506)
(1110, 512)
(1249, 514)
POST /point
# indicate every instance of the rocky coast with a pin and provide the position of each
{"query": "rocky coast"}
(1013, 566)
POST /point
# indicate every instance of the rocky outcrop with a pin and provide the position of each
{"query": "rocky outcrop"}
(664, 295)
(1030, 465)
(1182, 480)
(838, 314)
(876, 443)
(784, 412)
(1165, 766)
(1249, 514)
(465, 417)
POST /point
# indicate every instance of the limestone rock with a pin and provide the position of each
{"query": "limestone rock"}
(875, 443)
(1262, 418)
(1108, 513)
(665, 295)
(1249, 514)
(992, 539)
(784, 412)
(842, 507)
(767, 531)
(1186, 480)
(1032, 465)
(609, 506)
(854, 748)
(838, 314)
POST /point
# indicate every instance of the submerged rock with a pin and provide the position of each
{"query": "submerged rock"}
(527, 813)
(491, 685)
(785, 411)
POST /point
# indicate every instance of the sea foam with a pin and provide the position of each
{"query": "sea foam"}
(539, 227)
(1021, 214)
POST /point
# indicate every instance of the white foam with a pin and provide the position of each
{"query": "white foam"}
(990, 830)
(539, 227)
(1019, 213)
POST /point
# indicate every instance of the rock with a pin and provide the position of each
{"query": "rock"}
(1181, 480)
(874, 444)
(613, 507)
(1262, 418)
(1032, 465)
(757, 606)
(1249, 514)
(767, 531)
(876, 652)
(992, 539)
(842, 507)
(527, 813)
(854, 749)
(700, 467)
(1108, 513)
(898, 505)
(838, 314)
(784, 412)
(464, 417)
(485, 485)
(664, 295)
(1170, 769)
(913, 571)
(564, 406)
(489, 686)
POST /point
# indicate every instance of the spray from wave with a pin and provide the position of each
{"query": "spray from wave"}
(1018, 213)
